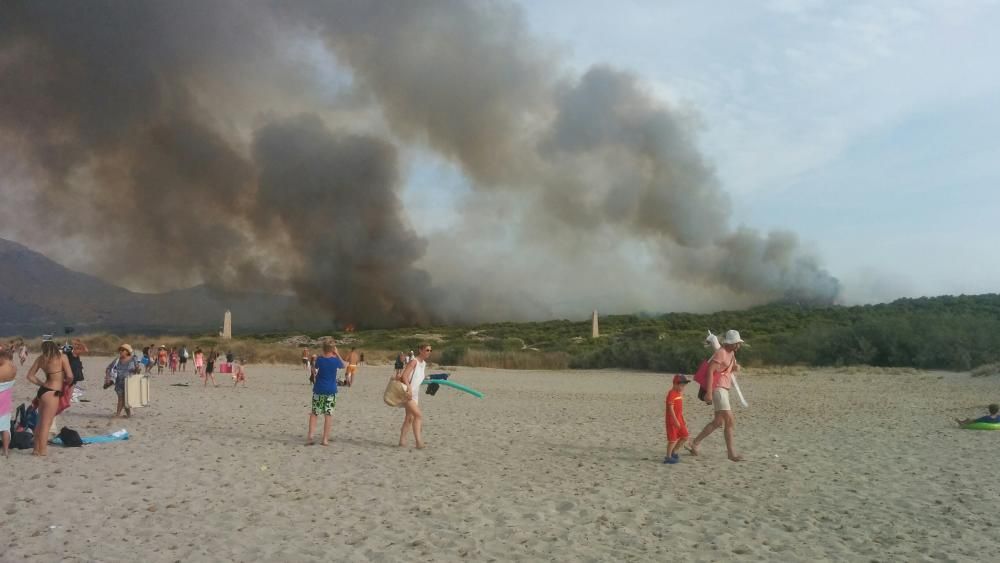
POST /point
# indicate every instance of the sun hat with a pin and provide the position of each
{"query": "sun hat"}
(732, 337)
(127, 347)
(681, 378)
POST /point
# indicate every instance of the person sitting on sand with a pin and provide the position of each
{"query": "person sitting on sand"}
(992, 418)
(719, 378)
(8, 373)
(324, 397)
(117, 372)
(677, 432)
(58, 373)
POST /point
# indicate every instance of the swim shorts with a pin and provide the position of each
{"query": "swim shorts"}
(323, 404)
(351, 369)
(676, 433)
(720, 399)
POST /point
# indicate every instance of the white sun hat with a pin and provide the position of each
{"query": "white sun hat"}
(732, 337)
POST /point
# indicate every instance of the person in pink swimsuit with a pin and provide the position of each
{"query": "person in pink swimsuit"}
(199, 362)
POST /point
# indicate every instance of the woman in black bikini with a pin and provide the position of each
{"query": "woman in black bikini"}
(58, 372)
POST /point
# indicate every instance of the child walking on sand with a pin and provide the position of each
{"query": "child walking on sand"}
(677, 432)
(238, 374)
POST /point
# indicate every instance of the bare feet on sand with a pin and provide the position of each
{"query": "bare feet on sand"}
(692, 449)
(735, 457)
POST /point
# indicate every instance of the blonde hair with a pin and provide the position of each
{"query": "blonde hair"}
(329, 345)
(50, 350)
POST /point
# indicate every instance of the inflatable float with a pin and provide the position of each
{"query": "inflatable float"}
(453, 385)
(982, 426)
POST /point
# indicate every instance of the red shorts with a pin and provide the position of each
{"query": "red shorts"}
(675, 433)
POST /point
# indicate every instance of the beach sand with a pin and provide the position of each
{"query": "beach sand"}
(561, 466)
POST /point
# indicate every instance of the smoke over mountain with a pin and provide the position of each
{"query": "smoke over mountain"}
(177, 142)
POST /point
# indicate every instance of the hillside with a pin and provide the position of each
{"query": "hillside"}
(38, 295)
(948, 332)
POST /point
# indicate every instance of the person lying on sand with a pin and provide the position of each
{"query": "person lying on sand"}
(993, 417)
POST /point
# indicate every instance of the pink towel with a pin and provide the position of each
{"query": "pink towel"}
(6, 404)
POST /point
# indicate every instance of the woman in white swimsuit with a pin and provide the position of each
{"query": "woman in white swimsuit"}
(412, 376)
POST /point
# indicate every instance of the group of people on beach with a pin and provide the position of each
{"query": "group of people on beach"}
(175, 358)
(323, 375)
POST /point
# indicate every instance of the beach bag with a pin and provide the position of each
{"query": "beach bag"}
(395, 393)
(701, 378)
(432, 388)
(23, 440)
(70, 438)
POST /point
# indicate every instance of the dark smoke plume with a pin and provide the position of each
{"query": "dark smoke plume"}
(194, 139)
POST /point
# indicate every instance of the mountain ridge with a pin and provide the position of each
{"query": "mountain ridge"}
(39, 295)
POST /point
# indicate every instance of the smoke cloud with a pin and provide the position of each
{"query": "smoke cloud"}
(195, 139)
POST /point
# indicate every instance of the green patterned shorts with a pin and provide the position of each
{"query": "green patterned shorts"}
(323, 404)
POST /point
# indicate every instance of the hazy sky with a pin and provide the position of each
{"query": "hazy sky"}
(869, 128)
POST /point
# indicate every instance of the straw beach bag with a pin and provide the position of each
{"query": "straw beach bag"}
(395, 393)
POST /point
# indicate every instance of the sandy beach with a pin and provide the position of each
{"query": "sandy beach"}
(561, 466)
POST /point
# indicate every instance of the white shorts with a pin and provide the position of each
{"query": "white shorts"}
(720, 399)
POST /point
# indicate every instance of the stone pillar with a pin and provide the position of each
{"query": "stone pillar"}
(227, 326)
(594, 332)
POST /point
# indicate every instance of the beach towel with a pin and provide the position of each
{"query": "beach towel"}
(66, 398)
(102, 439)
(6, 404)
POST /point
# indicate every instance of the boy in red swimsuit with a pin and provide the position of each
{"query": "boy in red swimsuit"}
(677, 432)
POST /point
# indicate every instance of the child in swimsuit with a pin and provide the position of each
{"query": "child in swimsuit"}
(992, 418)
(210, 368)
(238, 374)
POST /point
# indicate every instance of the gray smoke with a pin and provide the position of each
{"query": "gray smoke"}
(191, 138)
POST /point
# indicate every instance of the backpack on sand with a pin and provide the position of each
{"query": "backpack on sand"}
(70, 438)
